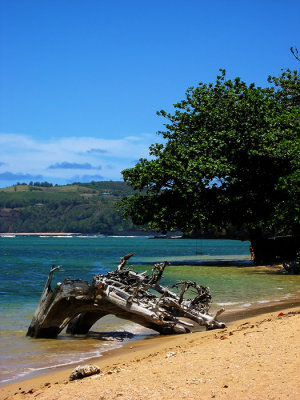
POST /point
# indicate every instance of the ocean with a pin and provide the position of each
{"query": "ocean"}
(25, 261)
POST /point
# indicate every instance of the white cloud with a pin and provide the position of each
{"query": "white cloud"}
(67, 165)
(24, 155)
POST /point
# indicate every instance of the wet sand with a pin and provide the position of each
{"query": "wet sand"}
(253, 358)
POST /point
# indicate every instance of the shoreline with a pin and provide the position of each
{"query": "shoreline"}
(233, 312)
(229, 317)
(252, 358)
(142, 348)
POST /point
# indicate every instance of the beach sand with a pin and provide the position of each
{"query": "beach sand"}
(254, 358)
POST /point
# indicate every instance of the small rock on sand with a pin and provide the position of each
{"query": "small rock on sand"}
(84, 370)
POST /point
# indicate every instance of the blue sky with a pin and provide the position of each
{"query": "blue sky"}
(81, 80)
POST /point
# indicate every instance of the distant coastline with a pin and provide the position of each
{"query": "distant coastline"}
(39, 233)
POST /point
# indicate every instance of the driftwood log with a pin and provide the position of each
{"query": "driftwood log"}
(126, 294)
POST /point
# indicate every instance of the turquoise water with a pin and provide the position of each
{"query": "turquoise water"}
(223, 265)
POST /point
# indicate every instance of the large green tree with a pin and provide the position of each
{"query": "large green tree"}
(230, 157)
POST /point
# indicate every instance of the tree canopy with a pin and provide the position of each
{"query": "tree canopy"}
(230, 157)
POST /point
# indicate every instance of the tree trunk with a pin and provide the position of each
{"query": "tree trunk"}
(126, 294)
(275, 249)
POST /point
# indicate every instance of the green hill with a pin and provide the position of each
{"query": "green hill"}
(78, 208)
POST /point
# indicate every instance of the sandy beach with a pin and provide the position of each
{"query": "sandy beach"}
(254, 358)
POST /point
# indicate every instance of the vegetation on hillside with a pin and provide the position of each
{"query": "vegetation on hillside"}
(82, 208)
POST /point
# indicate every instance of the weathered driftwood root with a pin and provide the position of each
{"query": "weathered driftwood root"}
(125, 293)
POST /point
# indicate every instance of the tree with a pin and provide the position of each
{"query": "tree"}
(295, 53)
(230, 158)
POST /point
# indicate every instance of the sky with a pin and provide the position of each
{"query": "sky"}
(81, 80)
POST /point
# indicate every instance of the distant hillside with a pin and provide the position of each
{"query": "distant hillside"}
(78, 208)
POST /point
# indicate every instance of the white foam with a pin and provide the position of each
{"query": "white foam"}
(63, 236)
(89, 236)
(228, 303)
(30, 370)
(247, 305)
(287, 296)
(20, 375)
(128, 236)
(55, 236)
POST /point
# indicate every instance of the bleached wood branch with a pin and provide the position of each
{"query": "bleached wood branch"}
(127, 294)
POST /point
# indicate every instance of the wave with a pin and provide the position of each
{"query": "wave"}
(228, 303)
(31, 371)
(90, 236)
(130, 236)
(56, 236)
(8, 236)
